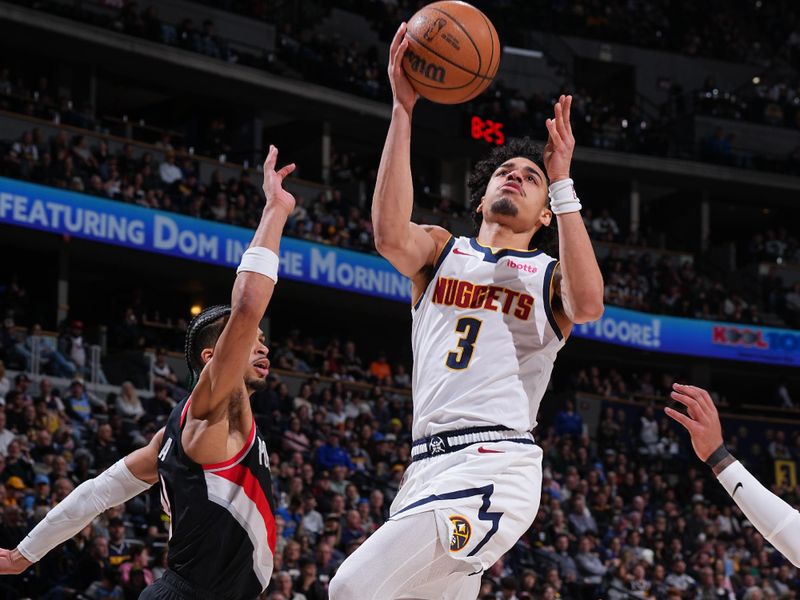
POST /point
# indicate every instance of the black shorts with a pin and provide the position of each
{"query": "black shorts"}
(172, 586)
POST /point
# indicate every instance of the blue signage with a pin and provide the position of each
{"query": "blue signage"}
(96, 219)
(87, 217)
(710, 339)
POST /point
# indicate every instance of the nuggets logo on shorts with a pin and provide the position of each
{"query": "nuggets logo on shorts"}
(462, 531)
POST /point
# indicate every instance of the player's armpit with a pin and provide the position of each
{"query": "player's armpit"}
(416, 251)
(143, 463)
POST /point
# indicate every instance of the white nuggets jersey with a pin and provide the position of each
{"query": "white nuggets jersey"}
(484, 339)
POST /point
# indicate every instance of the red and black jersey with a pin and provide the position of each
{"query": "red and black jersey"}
(222, 531)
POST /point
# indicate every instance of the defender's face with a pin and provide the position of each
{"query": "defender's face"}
(516, 196)
(256, 374)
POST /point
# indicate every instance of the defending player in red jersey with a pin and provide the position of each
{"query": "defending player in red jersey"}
(210, 458)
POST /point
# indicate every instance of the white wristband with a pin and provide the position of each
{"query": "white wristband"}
(563, 198)
(260, 260)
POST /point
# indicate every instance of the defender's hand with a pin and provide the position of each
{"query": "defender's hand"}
(560, 143)
(403, 93)
(702, 421)
(277, 197)
(12, 562)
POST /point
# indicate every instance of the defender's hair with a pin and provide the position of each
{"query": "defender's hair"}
(203, 332)
(546, 238)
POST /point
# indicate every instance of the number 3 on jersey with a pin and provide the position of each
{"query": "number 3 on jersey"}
(462, 355)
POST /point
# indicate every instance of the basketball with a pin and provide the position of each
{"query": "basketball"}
(453, 52)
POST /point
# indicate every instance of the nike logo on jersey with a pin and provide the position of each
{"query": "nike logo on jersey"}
(736, 489)
(483, 450)
(462, 253)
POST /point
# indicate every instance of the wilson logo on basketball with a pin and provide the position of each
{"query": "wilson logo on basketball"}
(462, 531)
(434, 29)
(428, 70)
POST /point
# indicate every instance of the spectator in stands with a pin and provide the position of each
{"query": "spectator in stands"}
(605, 227)
(170, 172)
(128, 403)
(119, 550)
(331, 454)
(105, 450)
(6, 436)
(678, 578)
(569, 422)
(160, 404)
(79, 404)
(380, 370)
(25, 154)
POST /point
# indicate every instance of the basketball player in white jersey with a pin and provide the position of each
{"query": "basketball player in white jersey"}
(489, 315)
(778, 522)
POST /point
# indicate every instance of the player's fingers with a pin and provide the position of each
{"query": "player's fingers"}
(693, 407)
(567, 111)
(560, 125)
(286, 170)
(680, 418)
(707, 400)
(692, 392)
(272, 156)
(554, 137)
(398, 37)
(401, 52)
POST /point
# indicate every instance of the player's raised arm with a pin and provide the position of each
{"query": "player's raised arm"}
(406, 245)
(778, 522)
(252, 291)
(116, 485)
(580, 281)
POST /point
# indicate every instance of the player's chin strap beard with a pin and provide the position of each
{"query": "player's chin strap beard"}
(504, 206)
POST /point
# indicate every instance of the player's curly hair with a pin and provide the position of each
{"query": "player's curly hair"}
(203, 332)
(546, 238)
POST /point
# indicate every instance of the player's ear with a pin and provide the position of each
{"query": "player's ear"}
(546, 216)
(206, 355)
(480, 205)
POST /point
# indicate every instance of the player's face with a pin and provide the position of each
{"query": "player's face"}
(516, 196)
(256, 374)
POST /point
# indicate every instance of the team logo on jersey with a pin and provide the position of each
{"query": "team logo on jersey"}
(436, 445)
(462, 531)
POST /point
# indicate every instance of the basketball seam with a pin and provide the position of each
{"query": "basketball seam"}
(466, 33)
(490, 28)
(492, 37)
(447, 60)
(444, 89)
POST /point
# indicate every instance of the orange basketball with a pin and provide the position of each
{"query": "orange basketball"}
(453, 52)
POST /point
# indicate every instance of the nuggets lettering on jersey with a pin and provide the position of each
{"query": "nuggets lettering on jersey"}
(484, 339)
(465, 294)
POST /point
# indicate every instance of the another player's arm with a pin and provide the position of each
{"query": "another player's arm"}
(119, 483)
(776, 520)
(579, 282)
(252, 291)
(408, 246)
